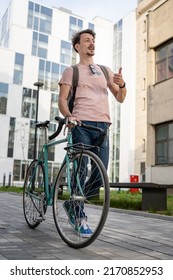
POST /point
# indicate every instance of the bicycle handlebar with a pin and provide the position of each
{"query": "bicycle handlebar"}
(63, 121)
(60, 126)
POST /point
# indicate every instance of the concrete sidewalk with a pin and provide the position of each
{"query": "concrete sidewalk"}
(127, 235)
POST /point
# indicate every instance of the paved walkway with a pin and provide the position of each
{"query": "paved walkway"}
(126, 236)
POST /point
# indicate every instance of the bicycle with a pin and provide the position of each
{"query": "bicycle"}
(82, 181)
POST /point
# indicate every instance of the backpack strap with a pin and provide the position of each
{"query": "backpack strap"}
(75, 80)
(105, 71)
(75, 76)
(72, 93)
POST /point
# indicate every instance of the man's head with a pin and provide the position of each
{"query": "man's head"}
(83, 36)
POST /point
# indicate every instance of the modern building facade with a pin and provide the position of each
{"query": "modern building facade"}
(35, 46)
(154, 91)
(123, 115)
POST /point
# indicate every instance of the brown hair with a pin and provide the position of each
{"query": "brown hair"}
(76, 36)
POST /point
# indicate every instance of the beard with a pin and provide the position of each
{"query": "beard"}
(91, 53)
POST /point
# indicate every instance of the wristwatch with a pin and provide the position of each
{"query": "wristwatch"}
(123, 85)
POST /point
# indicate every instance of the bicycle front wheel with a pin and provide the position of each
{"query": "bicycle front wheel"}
(80, 211)
(34, 198)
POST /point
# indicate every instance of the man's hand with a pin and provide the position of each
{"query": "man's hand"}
(72, 121)
(117, 78)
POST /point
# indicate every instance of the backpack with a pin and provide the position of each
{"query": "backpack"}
(72, 93)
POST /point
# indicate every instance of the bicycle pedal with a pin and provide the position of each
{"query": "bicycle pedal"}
(40, 218)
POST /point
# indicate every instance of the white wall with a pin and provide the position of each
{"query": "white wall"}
(104, 43)
(30, 74)
(6, 168)
(159, 174)
(6, 66)
(14, 101)
(127, 121)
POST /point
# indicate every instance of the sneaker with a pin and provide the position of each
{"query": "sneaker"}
(83, 229)
(70, 213)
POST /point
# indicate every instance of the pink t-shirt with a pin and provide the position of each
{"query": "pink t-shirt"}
(91, 100)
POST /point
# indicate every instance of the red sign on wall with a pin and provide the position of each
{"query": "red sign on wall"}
(134, 179)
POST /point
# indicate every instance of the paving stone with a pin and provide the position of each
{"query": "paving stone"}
(127, 235)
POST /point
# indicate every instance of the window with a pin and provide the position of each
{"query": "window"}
(75, 25)
(19, 170)
(65, 56)
(29, 103)
(54, 107)
(39, 18)
(164, 62)
(49, 74)
(5, 28)
(91, 26)
(39, 45)
(18, 69)
(117, 45)
(3, 97)
(11, 137)
(164, 143)
(31, 140)
(54, 77)
(142, 171)
(16, 170)
(62, 69)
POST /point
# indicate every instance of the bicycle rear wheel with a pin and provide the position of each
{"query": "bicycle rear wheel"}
(85, 198)
(34, 198)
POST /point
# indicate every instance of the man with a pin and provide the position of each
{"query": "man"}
(91, 104)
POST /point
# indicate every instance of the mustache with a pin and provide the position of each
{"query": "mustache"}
(91, 47)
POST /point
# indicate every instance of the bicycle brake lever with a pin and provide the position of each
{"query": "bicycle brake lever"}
(73, 122)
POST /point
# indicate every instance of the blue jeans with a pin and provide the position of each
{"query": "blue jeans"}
(91, 137)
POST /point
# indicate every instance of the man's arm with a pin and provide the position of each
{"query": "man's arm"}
(117, 87)
(62, 101)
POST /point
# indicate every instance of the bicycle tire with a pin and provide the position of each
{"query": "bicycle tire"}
(95, 199)
(34, 198)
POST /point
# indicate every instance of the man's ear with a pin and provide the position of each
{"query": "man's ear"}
(77, 47)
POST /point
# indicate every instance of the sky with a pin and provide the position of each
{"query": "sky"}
(112, 10)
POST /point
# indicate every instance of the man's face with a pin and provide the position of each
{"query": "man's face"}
(86, 45)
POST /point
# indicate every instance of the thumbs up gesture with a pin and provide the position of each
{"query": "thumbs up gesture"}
(118, 78)
(120, 70)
